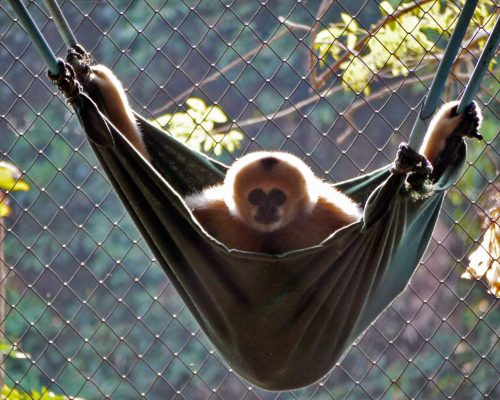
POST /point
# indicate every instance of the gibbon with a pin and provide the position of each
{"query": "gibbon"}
(271, 202)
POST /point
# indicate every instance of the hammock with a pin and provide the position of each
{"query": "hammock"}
(280, 321)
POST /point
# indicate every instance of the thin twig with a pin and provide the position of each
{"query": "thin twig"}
(382, 93)
(280, 114)
(290, 110)
(294, 25)
(323, 78)
(313, 59)
(245, 57)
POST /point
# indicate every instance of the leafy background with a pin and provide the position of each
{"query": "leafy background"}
(86, 303)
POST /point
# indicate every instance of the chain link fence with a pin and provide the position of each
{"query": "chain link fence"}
(88, 313)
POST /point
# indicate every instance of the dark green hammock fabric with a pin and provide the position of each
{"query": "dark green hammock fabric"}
(281, 322)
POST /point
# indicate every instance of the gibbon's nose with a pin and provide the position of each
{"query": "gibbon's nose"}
(267, 203)
(267, 215)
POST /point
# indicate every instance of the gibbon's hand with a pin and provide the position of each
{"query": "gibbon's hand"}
(472, 119)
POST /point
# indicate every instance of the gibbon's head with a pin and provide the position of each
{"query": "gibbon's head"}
(267, 190)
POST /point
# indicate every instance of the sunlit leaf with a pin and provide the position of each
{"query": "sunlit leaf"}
(181, 119)
(218, 149)
(351, 41)
(196, 127)
(387, 7)
(346, 18)
(10, 178)
(196, 104)
(163, 120)
(484, 261)
(5, 209)
(9, 393)
(208, 144)
(10, 351)
(216, 115)
(207, 126)
(399, 45)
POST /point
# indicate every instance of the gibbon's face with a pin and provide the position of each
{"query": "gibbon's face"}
(269, 190)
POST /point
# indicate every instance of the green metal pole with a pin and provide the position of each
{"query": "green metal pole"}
(38, 40)
(488, 53)
(61, 22)
(437, 86)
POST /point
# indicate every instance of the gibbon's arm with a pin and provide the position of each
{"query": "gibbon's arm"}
(116, 106)
(446, 124)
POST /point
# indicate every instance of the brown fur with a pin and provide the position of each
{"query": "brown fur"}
(442, 125)
(117, 107)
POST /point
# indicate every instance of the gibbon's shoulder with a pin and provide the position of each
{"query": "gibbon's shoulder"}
(332, 202)
(211, 197)
(212, 213)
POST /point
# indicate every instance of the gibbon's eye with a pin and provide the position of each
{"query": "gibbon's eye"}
(277, 197)
(256, 197)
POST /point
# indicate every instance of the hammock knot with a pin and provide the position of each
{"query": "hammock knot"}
(66, 81)
(408, 160)
(414, 165)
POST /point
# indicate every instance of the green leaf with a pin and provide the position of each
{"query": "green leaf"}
(5, 209)
(346, 18)
(196, 104)
(386, 7)
(10, 178)
(216, 115)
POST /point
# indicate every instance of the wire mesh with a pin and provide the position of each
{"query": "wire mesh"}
(85, 302)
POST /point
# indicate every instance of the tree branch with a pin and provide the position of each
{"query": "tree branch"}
(381, 94)
(245, 57)
(313, 59)
(283, 113)
(323, 78)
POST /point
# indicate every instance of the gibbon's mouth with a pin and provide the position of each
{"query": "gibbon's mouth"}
(267, 219)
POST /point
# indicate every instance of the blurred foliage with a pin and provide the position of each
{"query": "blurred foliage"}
(195, 127)
(10, 181)
(45, 394)
(400, 45)
(485, 260)
(10, 351)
